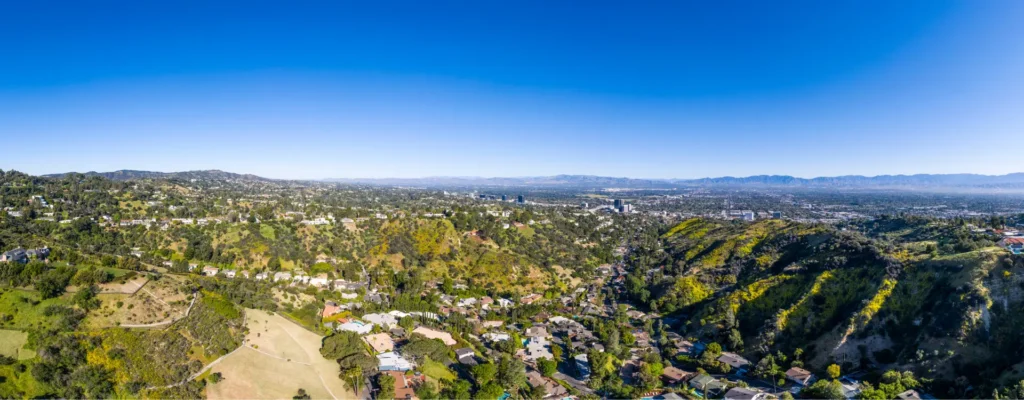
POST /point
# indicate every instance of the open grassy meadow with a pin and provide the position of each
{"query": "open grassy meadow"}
(277, 359)
(25, 309)
(12, 344)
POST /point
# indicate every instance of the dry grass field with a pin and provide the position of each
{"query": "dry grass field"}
(277, 359)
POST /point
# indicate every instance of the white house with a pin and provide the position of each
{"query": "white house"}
(319, 281)
(392, 361)
(384, 320)
(359, 327)
(496, 336)
(282, 276)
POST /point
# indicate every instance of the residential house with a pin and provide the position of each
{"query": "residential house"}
(504, 303)
(466, 302)
(491, 324)
(673, 376)
(536, 348)
(851, 388)
(466, 356)
(17, 255)
(376, 298)
(230, 273)
(330, 308)
(742, 393)
(552, 390)
(356, 326)
(800, 376)
(530, 298)
(582, 366)
(282, 276)
(1014, 244)
(380, 342)
(262, 275)
(537, 331)
(384, 320)
(436, 334)
(210, 271)
(392, 361)
(734, 360)
(38, 254)
(707, 385)
(909, 395)
(405, 385)
(496, 336)
(319, 281)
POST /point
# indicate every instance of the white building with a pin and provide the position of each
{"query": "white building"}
(392, 361)
(359, 327)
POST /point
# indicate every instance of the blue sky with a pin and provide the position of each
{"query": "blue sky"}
(671, 89)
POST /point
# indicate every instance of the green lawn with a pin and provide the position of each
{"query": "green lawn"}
(26, 309)
(12, 344)
(527, 231)
(436, 370)
(267, 231)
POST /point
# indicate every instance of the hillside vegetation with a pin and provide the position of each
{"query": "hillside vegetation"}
(912, 294)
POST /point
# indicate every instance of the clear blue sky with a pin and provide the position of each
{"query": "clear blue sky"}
(513, 88)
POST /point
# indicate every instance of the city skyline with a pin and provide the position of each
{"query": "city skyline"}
(669, 91)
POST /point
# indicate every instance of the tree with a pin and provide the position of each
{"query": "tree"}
(426, 391)
(538, 392)
(735, 339)
(216, 377)
(491, 391)
(352, 376)
(547, 367)
(51, 284)
(483, 373)
(386, 383)
(407, 323)
(824, 389)
(833, 371)
(458, 390)
(301, 395)
(511, 373)
(556, 352)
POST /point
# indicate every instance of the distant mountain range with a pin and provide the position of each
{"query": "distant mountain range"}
(1009, 182)
(210, 174)
(1013, 181)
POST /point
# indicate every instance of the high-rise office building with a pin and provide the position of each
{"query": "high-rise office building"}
(519, 199)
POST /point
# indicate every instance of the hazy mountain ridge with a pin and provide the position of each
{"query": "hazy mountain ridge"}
(126, 174)
(1013, 181)
(966, 181)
